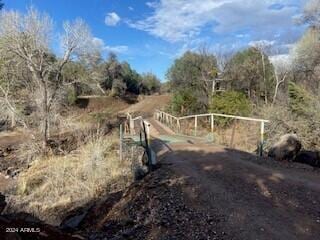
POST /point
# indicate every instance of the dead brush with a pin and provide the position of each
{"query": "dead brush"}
(282, 122)
(29, 150)
(54, 184)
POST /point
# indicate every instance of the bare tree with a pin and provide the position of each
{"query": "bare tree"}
(223, 57)
(10, 76)
(282, 67)
(207, 65)
(28, 39)
(263, 46)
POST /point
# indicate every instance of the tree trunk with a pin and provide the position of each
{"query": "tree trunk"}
(277, 87)
(45, 116)
(13, 119)
(101, 89)
(264, 79)
(10, 106)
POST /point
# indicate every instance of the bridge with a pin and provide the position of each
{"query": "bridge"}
(171, 129)
(255, 197)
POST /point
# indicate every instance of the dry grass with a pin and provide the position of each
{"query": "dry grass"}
(282, 122)
(241, 135)
(55, 184)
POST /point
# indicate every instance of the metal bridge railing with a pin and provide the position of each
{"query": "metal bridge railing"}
(176, 124)
(138, 127)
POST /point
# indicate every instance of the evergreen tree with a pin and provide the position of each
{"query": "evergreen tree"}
(299, 100)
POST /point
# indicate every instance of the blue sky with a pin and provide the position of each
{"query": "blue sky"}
(151, 34)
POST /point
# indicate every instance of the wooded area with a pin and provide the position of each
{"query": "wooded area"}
(36, 84)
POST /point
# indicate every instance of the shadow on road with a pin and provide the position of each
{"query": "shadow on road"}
(258, 198)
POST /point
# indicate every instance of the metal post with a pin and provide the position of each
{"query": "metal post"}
(121, 140)
(146, 130)
(212, 127)
(195, 125)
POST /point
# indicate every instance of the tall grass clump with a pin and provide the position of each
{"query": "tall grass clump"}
(55, 184)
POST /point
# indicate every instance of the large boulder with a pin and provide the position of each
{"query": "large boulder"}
(287, 148)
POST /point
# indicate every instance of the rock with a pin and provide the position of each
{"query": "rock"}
(10, 171)
(140, 173)
(73, 222)
(287, 148)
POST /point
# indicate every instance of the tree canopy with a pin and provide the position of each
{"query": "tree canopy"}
(194, 71)
(245, 73)
(149, 84)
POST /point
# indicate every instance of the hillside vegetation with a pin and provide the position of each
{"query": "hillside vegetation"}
(254, 83)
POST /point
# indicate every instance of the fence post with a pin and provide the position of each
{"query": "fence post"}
(179, 127)
(146, 130)
(195, 125)
(212, 126)
(212, 123)
(131, 122)
(261, 138)
(121, 142)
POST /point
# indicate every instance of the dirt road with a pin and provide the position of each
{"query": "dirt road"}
(148, 105)
(254, 198)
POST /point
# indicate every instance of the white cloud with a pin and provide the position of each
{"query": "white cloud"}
(242, 35)
(266, 43)
(100, 44)
(112, 19)
(182, 20)
(117, 49)
(152, 4)
(131, 8)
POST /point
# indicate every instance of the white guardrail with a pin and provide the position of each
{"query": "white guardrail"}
(170, 119)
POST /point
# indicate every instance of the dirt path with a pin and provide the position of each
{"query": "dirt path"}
(148, 105)
(252, 199)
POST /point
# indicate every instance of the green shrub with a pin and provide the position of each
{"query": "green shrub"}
(184, 102)
(300, 100)
(232, 103)
(71, 96)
